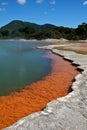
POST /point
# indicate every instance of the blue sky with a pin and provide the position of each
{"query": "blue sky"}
(68, 13)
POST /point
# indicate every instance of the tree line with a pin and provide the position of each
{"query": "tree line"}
(44, 32)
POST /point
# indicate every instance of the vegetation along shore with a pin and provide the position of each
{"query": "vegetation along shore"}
(19, 29)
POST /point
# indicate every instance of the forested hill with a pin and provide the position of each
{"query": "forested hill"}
(19, 29)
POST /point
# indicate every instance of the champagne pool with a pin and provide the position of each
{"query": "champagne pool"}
(21, 64)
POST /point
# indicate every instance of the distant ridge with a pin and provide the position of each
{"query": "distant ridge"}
(20, 29)
(16, 24)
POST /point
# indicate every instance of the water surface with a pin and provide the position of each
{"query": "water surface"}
(21, 64)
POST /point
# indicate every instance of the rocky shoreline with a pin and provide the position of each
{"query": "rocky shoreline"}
(66, 113)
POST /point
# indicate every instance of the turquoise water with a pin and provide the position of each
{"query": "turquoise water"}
(21, 64)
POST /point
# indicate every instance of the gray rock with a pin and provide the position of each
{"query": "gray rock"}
(66, 113)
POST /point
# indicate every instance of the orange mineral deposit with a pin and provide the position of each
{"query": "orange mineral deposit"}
(35, 96)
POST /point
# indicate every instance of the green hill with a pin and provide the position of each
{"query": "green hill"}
(20, 29)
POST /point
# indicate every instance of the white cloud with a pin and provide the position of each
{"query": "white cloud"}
(52, 2)
(2, 9)
(4, 3)
(22, 2)
(39, 1)
(85, 3)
